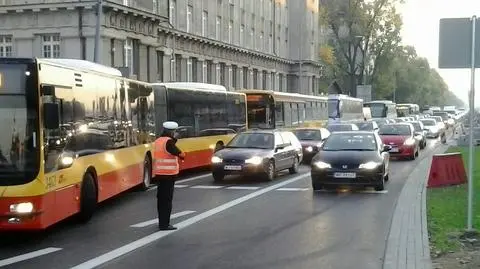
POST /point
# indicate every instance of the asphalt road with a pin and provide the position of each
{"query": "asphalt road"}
(236, 224)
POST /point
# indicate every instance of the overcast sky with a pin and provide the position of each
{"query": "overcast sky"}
(420, 29)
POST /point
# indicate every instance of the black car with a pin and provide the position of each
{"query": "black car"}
(351, 159)
(311, 139)
(258, 152)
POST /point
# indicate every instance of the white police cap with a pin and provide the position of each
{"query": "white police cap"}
(171, 125)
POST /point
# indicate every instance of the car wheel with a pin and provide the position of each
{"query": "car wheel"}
(387, 177)
(218, 177)
(294, 168)
(270, 171)
(381, 186)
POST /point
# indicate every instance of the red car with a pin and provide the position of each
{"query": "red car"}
(401, 137)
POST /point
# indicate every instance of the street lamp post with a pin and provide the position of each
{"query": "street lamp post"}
(96, 53)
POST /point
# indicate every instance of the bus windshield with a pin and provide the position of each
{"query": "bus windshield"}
(378, 110)
(261, 109)
(19, 116)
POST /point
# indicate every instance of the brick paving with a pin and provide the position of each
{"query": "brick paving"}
(407, 243)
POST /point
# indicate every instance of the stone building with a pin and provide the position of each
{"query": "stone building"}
(262, 44)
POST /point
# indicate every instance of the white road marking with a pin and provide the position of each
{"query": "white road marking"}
(155, 221)
(206, 187)
(28, 256)
(292, 189)
(363, 191)
(181, 186)
(183, 181)
(243, 188)
(184, 224)
(192, 178)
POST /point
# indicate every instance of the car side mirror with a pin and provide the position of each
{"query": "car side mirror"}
(51, 117)
(386, 148)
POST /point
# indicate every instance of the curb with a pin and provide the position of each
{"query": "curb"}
(408, 245)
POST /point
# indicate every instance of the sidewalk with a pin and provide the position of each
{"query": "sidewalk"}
(407, 244)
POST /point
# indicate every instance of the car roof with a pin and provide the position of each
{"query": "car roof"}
(354, 132)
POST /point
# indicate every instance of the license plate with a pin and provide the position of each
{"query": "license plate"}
(345, 175)
(394, 150)
(232, 167)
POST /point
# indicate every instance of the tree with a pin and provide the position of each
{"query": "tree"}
(356, 25)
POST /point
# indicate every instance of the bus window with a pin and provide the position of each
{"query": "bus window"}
(261, 111)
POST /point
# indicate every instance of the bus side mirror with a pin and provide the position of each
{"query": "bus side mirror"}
(51, 117)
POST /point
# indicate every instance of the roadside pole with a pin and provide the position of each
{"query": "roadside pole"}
(96, 53)
(470, 145)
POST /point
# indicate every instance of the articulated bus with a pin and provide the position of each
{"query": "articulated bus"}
(208, 115)
(382, 109)
(270, 109)
(344, 108)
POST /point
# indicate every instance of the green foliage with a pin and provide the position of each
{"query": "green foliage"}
(372, 27)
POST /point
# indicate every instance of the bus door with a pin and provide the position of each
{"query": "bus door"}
(261, 111)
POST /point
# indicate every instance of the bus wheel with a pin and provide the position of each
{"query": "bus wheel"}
(88, 198)
(147, 174)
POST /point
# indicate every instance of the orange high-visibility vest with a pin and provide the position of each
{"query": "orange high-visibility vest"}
(165, 164)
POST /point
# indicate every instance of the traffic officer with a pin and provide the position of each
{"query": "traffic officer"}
(166, 168)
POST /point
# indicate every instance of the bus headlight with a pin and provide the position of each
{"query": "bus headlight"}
(21, 208)
(216, 159)
(254, 160)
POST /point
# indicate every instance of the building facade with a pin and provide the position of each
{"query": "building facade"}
(260, 44)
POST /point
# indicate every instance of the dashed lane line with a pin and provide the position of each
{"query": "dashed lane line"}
(293, 189)
(181, 186)
(116, 253)
(242, 188)
(206, 187)
(155, 221)
(179, 182)
(28, 256)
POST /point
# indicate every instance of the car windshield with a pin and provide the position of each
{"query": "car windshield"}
(350, 142)
(428, 122)
(438, 119)
(339, 127)
(416, 126)
(394, 129)
(252, 140)
(303, 135)
(364, 126)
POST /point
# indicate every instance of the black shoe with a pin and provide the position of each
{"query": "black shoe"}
(167, 228)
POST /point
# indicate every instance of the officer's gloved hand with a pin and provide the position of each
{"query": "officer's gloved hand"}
(182, 156)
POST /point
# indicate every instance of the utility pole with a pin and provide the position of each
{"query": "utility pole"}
(96, 54)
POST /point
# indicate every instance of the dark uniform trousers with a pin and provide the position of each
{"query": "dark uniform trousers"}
(165, 188)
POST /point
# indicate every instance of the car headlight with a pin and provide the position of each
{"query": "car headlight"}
(21, 208)
(216, 159)
(369, 165)
(309, 149)
(409, 142)
(322, 165)
(254, 160)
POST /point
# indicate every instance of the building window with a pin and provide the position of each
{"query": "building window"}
(172, 68)
(242, 34)
(218, 28)
(204, 23)
(189, 70)
(230, 77)
(260, 46)
(252, 38)
(6, 46)
(204, 72)
(230, 30)
(234, 80)
(270, 43)
(178, 67)
(189, 18)
(217, 74)
(171, 12)
(51, 46)
(160, 57)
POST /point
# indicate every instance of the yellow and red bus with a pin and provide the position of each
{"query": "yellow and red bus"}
(270, 109)
(75, 133)
(208, 115)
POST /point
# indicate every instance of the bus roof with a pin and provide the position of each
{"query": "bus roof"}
(287, 96)
(410, 105)
(81, 65)
(380, 102)
(343, 96)
(192, 86)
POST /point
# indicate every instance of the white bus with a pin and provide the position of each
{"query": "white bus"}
(344, 108)
(382, 109)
